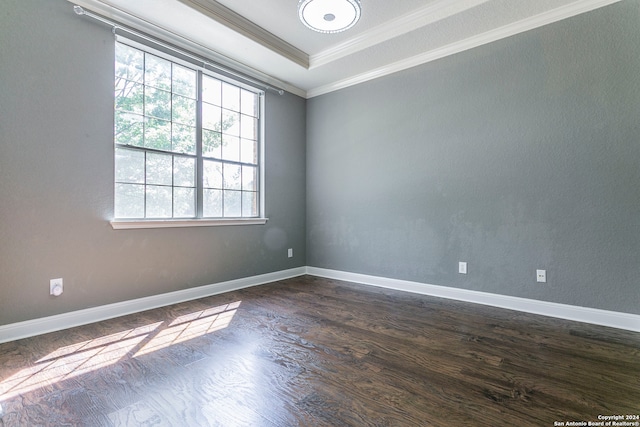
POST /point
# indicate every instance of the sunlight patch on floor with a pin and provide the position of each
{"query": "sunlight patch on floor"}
(191, 326)
(90, 355)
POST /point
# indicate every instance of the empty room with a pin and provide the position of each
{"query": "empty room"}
(319, 213)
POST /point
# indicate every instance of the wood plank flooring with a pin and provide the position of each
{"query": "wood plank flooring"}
(318, 352)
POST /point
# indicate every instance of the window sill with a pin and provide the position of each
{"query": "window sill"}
(174, 223)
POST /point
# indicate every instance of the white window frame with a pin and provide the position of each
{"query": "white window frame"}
(122, 223)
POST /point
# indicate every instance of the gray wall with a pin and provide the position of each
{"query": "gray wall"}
(518, 155)
(56, 180)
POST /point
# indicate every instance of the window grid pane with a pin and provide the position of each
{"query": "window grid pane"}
(156, 137)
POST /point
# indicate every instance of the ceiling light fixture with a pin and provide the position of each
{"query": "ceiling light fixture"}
(329, 16)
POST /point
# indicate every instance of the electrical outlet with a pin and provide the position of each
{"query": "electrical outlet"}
(462, 267)
(56, 287)
(290, 252)
(541, 276)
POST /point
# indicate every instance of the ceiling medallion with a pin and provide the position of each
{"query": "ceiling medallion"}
(329, 16)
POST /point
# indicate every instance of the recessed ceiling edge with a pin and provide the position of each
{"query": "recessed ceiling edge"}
(246, 28)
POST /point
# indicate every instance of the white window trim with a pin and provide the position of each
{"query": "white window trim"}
(131, 224)
(123, 224)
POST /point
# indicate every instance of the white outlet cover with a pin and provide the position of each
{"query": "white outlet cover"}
(290, 253)
(462, 267)
(541, 276)
(56, 287)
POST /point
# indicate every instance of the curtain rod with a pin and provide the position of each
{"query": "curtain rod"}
(79, 10)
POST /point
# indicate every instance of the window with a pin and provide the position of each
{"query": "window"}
(187, 141)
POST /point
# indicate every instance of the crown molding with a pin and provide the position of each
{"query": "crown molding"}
(540, 20)
(246, 28)
(433, 12)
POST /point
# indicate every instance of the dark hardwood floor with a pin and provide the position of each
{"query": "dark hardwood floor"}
(317, 352)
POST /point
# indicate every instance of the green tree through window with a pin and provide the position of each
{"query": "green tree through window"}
(169, 164)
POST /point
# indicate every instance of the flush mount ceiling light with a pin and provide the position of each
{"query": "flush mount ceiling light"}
(329, 16)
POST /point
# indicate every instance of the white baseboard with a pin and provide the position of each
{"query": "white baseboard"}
(29, 328)
(59, 322)
(630, 322)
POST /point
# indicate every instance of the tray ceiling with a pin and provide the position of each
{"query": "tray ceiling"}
(266, 39)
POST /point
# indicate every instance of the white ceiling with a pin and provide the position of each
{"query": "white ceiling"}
(264, 38)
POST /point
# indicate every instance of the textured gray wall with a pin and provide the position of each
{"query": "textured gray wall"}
(518, 155)
(56, 172)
